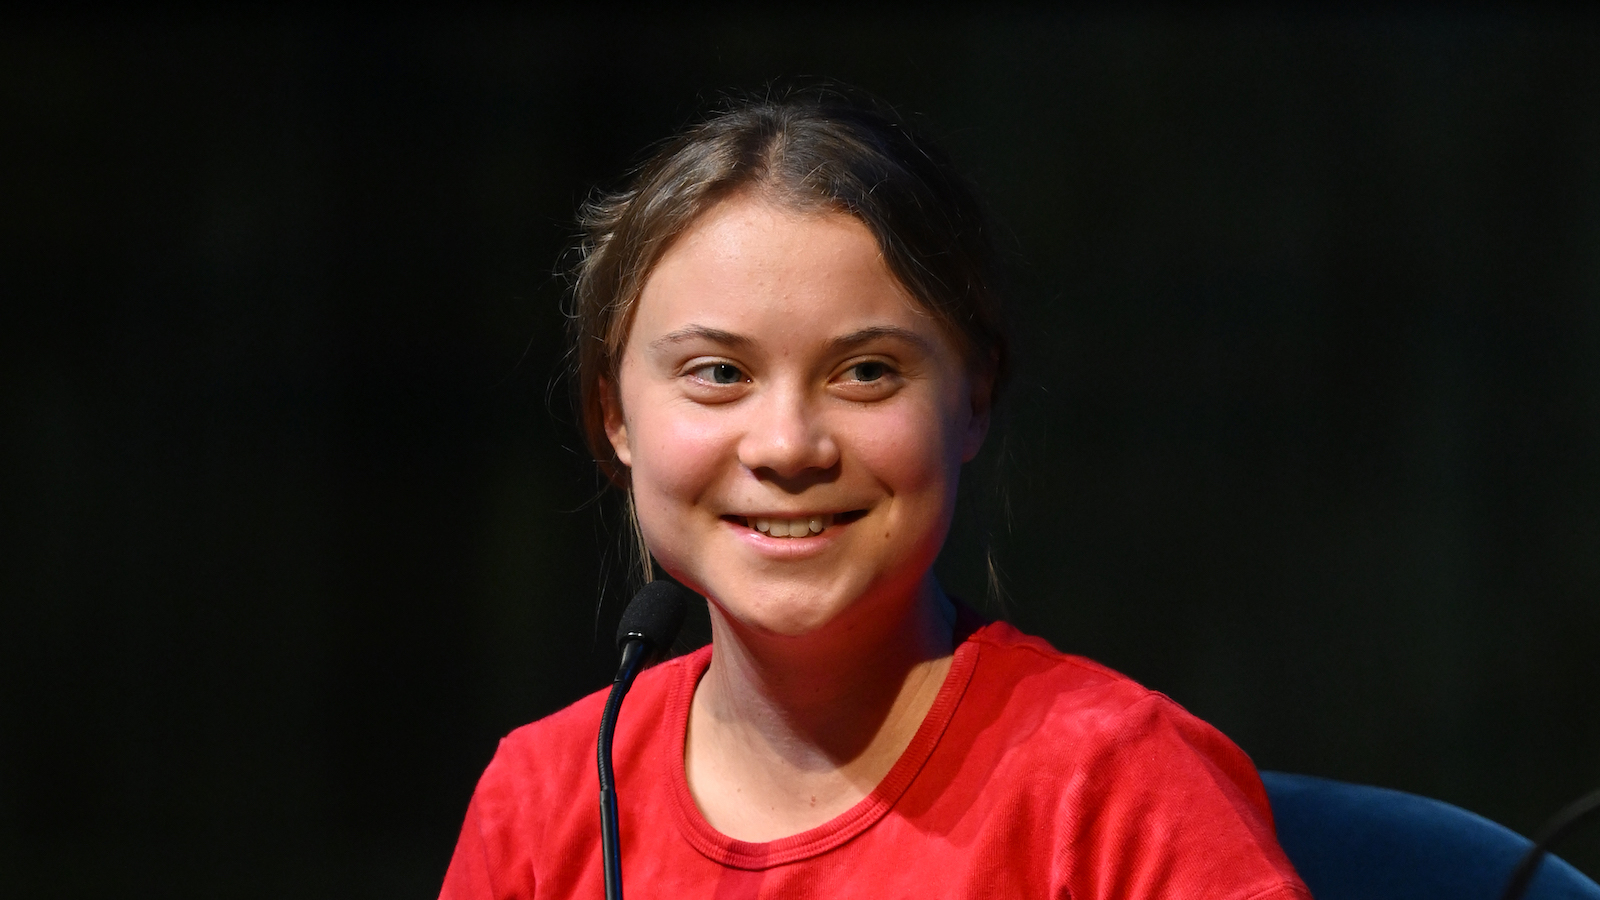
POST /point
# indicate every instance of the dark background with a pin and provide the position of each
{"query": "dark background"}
(1306, 430)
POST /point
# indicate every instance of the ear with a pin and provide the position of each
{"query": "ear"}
(616, 422)
(981, 399)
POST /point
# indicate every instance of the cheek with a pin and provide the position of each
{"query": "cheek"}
(677, 456)
(909, 451)
(677, 461)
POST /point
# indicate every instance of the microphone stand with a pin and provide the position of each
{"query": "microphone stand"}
(633, 656)
(649, 623)
(1553, 831)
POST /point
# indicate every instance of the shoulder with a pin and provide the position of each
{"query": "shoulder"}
(1115, 762)
(1101, 712)
(555, 754)
(523, 824)
(1031, 671)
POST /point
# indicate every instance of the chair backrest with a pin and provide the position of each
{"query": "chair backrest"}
(1352, 841)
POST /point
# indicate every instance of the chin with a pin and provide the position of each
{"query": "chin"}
(785, 613)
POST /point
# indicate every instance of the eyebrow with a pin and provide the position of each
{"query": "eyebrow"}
(701, 332)
(835, 345)
(879, 332)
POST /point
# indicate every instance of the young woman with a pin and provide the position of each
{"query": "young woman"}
(787, 345)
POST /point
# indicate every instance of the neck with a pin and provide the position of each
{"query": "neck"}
(803, 727)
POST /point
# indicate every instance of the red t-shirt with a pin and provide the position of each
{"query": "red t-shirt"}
(1035, 774)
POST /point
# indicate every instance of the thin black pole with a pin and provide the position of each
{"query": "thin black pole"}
(1553, 831)
(633, 654)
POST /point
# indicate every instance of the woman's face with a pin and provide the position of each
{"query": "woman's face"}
(777, 378)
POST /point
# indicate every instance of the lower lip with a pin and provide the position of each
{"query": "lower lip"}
(787, 547)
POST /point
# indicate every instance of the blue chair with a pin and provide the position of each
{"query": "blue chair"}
(1355, 842)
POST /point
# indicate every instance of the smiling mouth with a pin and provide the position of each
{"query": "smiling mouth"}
(800, 526)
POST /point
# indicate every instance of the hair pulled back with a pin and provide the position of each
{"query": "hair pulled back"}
(816, 151)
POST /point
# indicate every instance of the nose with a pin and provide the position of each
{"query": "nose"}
(787, 436)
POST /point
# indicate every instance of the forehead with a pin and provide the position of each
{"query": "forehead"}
(751, 262)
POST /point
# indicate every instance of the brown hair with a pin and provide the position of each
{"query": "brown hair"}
(813, 150)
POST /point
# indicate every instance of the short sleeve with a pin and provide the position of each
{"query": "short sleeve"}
(1170, 808)
(468, 875)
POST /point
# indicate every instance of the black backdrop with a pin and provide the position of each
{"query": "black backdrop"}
(1306, 431)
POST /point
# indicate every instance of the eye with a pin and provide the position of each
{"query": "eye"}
(719, 373)
(868, 371)
(868, 380)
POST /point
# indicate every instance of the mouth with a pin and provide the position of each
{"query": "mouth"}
(796, 526)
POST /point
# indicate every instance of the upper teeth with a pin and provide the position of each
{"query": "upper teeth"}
(793, 527)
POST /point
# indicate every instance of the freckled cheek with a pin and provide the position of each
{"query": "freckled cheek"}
(906, 451)
(679, 456)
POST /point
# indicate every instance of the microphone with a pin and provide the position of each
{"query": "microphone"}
(649, 625)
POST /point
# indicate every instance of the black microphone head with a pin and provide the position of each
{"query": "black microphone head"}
(654, 615)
